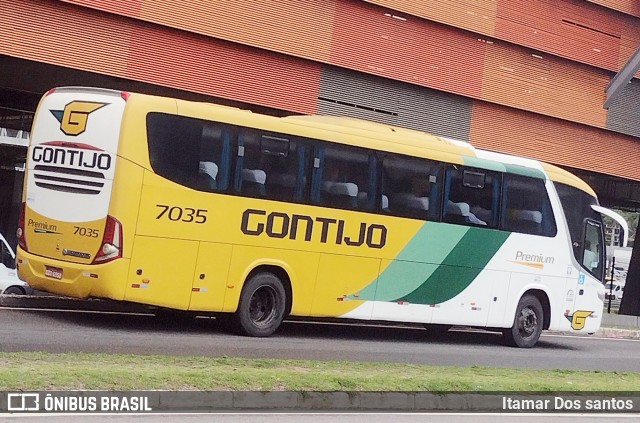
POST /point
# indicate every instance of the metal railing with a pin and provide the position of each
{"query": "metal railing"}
(14, 137)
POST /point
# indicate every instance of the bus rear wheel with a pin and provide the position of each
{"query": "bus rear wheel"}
(262, 305)
(527, 324)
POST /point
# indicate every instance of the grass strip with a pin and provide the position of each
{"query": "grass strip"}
(89, 371)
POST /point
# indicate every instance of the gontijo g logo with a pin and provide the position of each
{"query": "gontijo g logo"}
(73, 119)
(579, 319)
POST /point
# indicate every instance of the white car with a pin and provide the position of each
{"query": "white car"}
(614, 292)
(9, 281)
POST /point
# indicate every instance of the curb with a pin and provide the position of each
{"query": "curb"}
(620, 333)
(326, 401)
(140, 402)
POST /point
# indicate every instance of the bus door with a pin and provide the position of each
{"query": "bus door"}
(587, 307)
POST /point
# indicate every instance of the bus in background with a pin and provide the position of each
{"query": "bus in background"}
(205, 208)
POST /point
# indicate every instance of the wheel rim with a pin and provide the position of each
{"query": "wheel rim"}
(528, 322)
(262, 307)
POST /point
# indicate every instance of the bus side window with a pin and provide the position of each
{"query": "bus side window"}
(526, 207)
(174, 147)
(249, 178)
(270, 165)
(344, 177)
(284, 161)
(471, 196)
(412, 187)
(215, 157)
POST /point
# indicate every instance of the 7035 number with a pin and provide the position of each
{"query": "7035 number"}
(92, 233)
(183, 214)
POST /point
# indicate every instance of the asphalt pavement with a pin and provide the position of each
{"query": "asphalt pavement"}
(613, 326)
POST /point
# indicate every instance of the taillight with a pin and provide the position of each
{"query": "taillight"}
(111, 246)
(22, 242)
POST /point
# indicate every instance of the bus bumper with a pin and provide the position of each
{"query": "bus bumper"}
(107, 280)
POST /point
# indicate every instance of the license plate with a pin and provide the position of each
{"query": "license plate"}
(53, 272)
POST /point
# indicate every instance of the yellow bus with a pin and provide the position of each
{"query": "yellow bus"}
(205, 208)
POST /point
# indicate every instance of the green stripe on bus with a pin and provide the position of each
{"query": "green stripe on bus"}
(484, 164)
(433, 242)
(525, 171)
(504, 167)
(460, 267)
(456, 255)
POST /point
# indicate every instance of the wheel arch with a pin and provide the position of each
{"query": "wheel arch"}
(22, 290)
(542, 296)
(282, 274)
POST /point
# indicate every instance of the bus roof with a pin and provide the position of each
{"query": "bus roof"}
(422, 139)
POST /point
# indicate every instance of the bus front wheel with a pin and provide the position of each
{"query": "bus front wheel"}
(527, 324)
(262, 305)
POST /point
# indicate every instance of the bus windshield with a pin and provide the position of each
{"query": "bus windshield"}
(585, 227)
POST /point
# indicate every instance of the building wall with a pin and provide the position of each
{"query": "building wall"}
(573, 29)
(519, 76)
(81, 38)
(631, 7)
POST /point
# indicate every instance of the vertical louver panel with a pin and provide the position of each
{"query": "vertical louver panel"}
(474, 15)
(88, 40)
(336, 108)
(54, 33)
(553, 140)
(359, 91)
(299, 27)
(630, 7)
(380, 41)
(570, 28)
(630, 42)
(624, 113)
(196, 63)
(349, 93)
(436, 112)
(406, 48)
(357, 35)
(541, 83)
(126, 8)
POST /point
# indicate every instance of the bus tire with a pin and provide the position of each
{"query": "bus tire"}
(527, 323)
(262, 305)
(14, 290)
